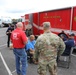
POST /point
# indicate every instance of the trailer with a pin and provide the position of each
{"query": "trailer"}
(5, 21)
(61, 19)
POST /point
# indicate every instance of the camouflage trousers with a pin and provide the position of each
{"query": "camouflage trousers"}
(51, 67)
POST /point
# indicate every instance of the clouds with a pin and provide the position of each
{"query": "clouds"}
(15, 11)
(2, 2)
(15, 8)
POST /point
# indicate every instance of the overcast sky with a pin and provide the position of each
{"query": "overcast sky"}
(17, 8)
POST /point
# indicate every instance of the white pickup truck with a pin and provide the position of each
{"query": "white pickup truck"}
(5, 21)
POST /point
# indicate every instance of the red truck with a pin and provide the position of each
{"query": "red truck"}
(61, 19)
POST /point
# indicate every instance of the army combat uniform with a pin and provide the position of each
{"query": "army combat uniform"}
(46, 48)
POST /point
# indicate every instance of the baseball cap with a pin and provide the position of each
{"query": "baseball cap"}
(71, 34)
(46, 24)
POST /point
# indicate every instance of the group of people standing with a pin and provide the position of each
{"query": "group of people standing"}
(20, 42)
(44, 49)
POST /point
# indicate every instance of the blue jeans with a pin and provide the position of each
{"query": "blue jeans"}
(21, 57)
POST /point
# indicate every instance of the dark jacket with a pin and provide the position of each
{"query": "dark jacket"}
(69, 44)
(8, 30)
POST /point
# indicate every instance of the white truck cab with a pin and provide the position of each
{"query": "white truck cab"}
(5, 21)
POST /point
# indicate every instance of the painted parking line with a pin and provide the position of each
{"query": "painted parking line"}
(2, 46)
(7, 68)
(13, 71)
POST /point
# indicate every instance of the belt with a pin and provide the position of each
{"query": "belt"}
(18, 48)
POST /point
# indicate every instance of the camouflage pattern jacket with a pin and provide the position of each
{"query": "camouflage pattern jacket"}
(47, 46)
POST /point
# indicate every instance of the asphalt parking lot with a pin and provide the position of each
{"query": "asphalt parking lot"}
(32, 68)
(9, 61)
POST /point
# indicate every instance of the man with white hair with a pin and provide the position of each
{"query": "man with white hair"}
(19, 40)
(46, 48)
(30, 47)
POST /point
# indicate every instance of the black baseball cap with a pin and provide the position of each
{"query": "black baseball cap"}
(71, 34)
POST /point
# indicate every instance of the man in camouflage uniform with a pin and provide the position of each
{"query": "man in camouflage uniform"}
(46, 48)
(29, 29)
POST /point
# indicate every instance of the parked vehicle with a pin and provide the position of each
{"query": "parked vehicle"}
(5, 21)
(61, 19)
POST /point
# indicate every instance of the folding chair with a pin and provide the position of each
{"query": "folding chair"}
(64, 60)
(29, 56)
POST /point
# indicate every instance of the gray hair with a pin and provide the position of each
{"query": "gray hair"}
(46, 25)
(19, 24)
(32, 36)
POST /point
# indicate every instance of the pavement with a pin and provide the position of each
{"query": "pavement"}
(7, 64)
(3, 70)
